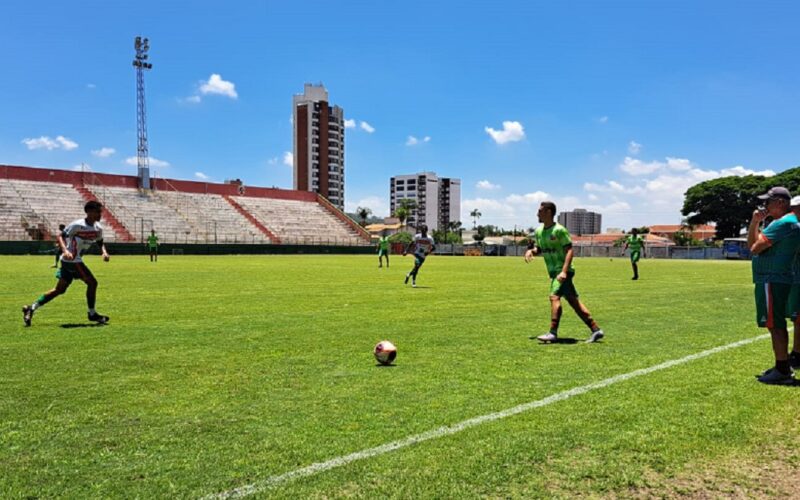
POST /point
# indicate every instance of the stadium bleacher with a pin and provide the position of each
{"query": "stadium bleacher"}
(32, 209)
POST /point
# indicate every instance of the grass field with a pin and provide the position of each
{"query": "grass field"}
(221, 372)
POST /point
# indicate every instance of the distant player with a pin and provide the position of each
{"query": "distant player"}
(422, 245)
(58, 246)
(636, 244)
(553, 241)
(74, 241)
(383, 250)
(152, 245)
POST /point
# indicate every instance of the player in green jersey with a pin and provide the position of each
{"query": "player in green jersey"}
(383, 249)
(552, 240)
(774, 250)
(636, 244)
(152, 245)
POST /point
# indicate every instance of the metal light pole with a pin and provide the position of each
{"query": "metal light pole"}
(142, 45)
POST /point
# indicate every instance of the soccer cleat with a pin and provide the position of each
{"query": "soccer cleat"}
(406, 281)
(595, 336)
(98, 318)
(775, 377)
(414, 284)
(794, 360)
(27, 315)
(547, 337)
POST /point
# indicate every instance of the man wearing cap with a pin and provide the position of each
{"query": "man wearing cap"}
(794, 298)
(773, 250)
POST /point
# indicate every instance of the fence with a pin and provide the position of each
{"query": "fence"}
(661, 252)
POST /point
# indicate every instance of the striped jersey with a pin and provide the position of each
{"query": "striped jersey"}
(79, 237)
(774, 265)
(423, 245)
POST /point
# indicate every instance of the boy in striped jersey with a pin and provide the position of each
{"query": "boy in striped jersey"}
(74, 241)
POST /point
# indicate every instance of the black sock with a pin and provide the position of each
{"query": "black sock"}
(783, 366)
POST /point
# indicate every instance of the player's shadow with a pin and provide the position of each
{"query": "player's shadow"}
(559, 340)
(381, 365)
(421, 286)
(82, 325)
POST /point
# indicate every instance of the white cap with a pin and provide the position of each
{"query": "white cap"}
(795, 201)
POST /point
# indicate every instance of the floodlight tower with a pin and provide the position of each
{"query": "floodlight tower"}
(142, 45)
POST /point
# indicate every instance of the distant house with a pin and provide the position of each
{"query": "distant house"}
(701, 232)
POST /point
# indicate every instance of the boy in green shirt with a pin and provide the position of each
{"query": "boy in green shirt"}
(383, 249)
(636, 244)
(553, 241)
(152, 245)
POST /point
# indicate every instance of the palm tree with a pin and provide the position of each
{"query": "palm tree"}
(402, 214)
(363, 213)
(407, 207)
(453, 226)
(475, 214)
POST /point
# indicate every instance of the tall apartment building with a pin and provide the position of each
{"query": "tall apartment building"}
(318, 144)
(580, 221)
(438, 199)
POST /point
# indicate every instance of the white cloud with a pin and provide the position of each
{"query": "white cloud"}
(91, 86)
(413, 141)
(378, 204)
(154, 162)
(194, 99)
(634, 148)
(512, 132)
(216, 85)
(367, 127)
(288, 159)
(103, 152)
(273, 161)
(45, 142)
(740, 171)
(350, 124)
(486, 185)
(602, 119)
(201, 176)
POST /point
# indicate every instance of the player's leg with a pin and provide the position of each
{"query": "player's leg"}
(380, 258)
(771, 303)
(555, 319)
(635, 264)
(571, 294)
(91, 293)
(60, 289)
(155, 254)
(386, 254)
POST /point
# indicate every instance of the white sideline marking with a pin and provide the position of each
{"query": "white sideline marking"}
(447, 430)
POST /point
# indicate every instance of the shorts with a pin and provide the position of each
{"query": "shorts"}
(383, 252)
(635, 255)
(153, 249)
(419, 259)
(74, 270)
(772, 304)
(793, 303)
(565, 289)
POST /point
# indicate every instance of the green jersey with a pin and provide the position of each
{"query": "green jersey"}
(635, 242)
(553, 243)
(152, 240)
(383, 243)
(774, 265)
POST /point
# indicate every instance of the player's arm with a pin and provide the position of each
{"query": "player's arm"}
(103, 250)
(532, 249)
(62, 238)
(408, 248)
(755, 238)
(567, 262)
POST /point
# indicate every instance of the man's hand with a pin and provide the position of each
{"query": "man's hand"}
(529, 256)
(106, 257)
(67, 255)
(562, 276)
(404, 254)
(759, 215)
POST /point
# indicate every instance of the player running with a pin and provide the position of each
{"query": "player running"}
(152, 245)
(553, 241)
(423, 246)
(383, 250)
(74, 241)
(636, 244)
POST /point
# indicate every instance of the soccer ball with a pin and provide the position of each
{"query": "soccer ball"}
(385, 352)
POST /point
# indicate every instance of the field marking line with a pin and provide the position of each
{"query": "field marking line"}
(447, 430)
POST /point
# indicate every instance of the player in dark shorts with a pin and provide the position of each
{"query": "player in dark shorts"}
(636, 244)
(422, 246)
(74, 241)
(152, 246)
(383, 250)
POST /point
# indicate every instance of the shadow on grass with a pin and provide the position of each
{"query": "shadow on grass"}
(381, 365)
(559, 340)
(82, 325)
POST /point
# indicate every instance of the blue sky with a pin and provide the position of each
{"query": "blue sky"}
(616, 106)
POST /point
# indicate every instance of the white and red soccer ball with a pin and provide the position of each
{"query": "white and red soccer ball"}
(385, 352)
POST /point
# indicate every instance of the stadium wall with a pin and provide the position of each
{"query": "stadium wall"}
(46, 247)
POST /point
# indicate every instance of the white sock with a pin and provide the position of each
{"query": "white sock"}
(35, 306)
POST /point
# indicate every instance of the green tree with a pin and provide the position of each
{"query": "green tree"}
(475, 214)
(728, 201)
(402, 237)
(363, 214)
(406, 208)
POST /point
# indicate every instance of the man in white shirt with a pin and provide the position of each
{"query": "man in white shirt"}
(74, 241)
(422, 245)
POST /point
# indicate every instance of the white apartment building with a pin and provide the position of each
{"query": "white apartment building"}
(580, 221)
(437, 199)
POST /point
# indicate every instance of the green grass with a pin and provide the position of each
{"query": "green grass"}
(217, 372)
